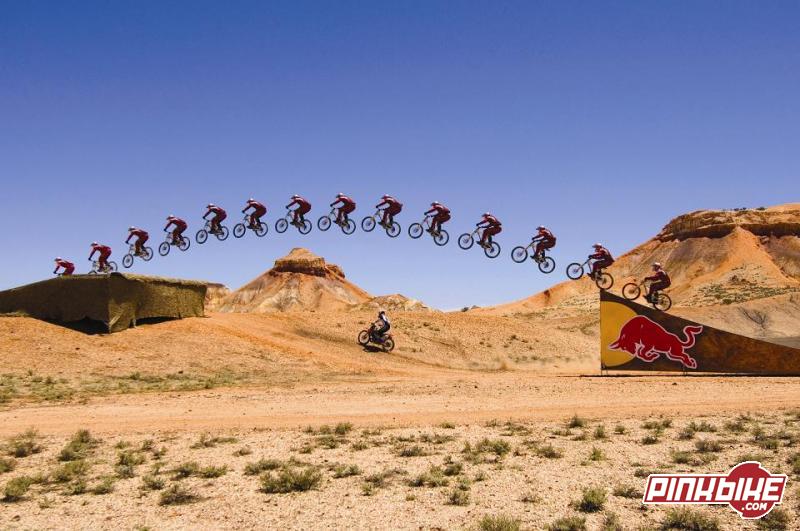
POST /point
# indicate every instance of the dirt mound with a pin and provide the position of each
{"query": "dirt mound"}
(215, 294)
(299, 281)
(393, 303)
(715, 258)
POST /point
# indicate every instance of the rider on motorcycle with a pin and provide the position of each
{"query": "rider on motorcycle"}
(602, 259)
(381, 326)
(68, 266)
(141, 237)
(258, 210)
(303, 208)
(345, 206)
(177, 232)
(442, 215)
(544, 239)
(104, 252)
(659, 280)
(393, 207)
(219, 216)
(491, 226)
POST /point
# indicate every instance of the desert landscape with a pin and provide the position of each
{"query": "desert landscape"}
(267, 413)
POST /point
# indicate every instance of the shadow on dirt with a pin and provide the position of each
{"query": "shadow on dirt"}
(92, 327)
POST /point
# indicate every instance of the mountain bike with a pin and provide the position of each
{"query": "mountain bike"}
(111, 268)
(282, 224)
(519, 254)
(183, 244)
(348, 226)
(146, 254)
(369, 223)
(202, 235)
(240, 229)
(440, 237)
(365, 337)
(467, 240)
(633, 290)
(603, 280)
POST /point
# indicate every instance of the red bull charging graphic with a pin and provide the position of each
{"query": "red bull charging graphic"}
(647, 340)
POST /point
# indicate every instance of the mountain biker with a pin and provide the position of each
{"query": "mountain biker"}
(659, 280)
(258, 210)
(141, 237)
(602, 259)
(381, 326)
(303, 208)
(219, 216)
(544, 240)
(491, 226)
(346, 205)
(393, 207)
(68, 266)
(104, 252)
(177, 232)
(442, 215)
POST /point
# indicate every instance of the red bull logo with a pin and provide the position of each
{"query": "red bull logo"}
(647, 340)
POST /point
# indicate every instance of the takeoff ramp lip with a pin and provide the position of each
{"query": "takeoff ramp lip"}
(634, 337)
(117, 300)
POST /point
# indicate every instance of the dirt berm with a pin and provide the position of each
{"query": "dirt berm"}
(117, 300)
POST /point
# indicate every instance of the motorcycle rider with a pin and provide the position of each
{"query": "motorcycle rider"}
(177, 232)
(102, 259)
(659, 280)
(303, 208)
(491, 226)
(345, 206)
(544, 239)
(393, 207)
(141, 237)
(68, 266)
(442, 214)
(258, 210)
(219, 216)
(602, 259)
(381, 326)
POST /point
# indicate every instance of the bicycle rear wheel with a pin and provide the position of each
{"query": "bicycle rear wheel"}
(493, 250)
(184, 244)
(112, 267)
(394, 230)
(663, 302)
(441, 238)
(349, 227)
(305, 228)
(223, 233)
(604, 281)
(261, 230)
(547, 265)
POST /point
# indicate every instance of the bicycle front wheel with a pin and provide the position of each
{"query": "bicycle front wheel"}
(575, 271)
(324, 223)
(519, 254)
(631, 291)
(465, 241)
(415, 230)
(367, 224)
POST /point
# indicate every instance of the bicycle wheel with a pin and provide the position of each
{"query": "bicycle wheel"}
(394, 230)
(604, 281)
(388, 344)
(127, 260)
(493, 250)
(465, 241)
(519, 254)
(349, 227)
(112, 267)
(663, 302)
(368, 224)
(363, 338)
(201, 236)
(281, 225)
(441, 238)
(631, 291)
(305, 228)
(238, 230)
(222, 235)
(324, 223)
(575, 271)
(547, 265)
(415, 230)
(185, 243)
(147, 254)
(261, 230)
(163, 249)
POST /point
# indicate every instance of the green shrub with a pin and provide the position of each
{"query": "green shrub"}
(262, 465)
(290, 479)
(177, 495)
(568, 523)
(778, 519)
(79, 447)
(593, 500)
(24, 444)
(690, 519)
(458, 497)
(707, 446)
(16, 488)
(576, 422)
(7, 465)
(211, 471)
(152, 482)
(499, 523)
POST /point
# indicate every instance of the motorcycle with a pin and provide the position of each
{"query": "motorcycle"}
(440, 237)
(365, 337)
(369, 223)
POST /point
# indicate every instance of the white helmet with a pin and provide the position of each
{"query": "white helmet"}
(487, 214)
(170, 217)
(251, 200)
(541, 227)
(386, 196)
(94, 243)
(210, 205)
(58, 259)
(597, 245)
(340, 194)
(295, 196)
(131, 228)
(657, 265)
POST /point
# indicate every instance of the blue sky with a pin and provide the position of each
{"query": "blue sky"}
(601, 120)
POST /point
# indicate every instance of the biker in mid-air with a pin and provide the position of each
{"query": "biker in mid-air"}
(177, 232)
(258, 210)
(102, 259)
(68, 266)
(544, 240)
(345, 206)
(141, 237)
(491, 226)
(602, 259)
(381, 327)
(219, 216)
(393, 207)
(659, 280)
(442, 214)
(303, 208)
